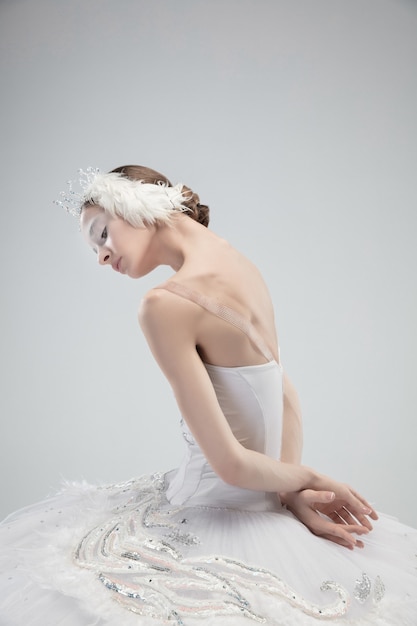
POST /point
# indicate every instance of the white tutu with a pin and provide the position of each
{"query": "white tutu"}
(188, 549)
(122, 555)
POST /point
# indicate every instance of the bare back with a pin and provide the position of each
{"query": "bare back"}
(183, 334)
(218, 271)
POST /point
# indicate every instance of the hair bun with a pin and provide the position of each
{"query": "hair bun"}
(197, 211)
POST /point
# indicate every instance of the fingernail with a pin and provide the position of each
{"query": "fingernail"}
(366, 510)
(331, 495)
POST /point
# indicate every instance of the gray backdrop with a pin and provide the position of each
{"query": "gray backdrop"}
(296, 122)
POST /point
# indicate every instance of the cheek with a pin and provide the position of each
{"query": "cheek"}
(115, 238)
(121, 243)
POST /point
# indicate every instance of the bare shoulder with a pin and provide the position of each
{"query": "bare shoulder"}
(162, 311)
(169, 324)
(152, 305)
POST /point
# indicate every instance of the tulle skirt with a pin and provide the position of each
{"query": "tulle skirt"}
(122, 555)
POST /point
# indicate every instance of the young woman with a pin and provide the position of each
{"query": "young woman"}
(241, 532)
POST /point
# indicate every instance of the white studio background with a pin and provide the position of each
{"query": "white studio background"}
(296, 122)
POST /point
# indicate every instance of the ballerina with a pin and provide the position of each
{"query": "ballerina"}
(242, 531)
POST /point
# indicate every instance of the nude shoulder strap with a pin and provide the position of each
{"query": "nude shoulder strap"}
(222, 311)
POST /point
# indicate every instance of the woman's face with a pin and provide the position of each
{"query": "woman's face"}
(117, 243)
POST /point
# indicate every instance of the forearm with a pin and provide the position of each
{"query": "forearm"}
(260, 472)
(254, 470)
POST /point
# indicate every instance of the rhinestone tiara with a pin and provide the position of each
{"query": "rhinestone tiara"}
(71, 200)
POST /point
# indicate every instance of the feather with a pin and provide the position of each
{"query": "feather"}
(136, 202)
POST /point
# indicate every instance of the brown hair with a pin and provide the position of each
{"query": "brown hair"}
(198, 212)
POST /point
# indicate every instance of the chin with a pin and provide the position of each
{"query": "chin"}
(136, 274)
(140, 270)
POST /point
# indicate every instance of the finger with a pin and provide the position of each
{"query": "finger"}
(363, 506)
(338, 540)
(335, 517)
(342, 542)
(313, 497)
(331, 531)
(344, 532)
(362, 519)
(342, 516)
(348, 518)
(336, 531)
(341, 538)
(356, 529)
(353, 528)
(350, 523)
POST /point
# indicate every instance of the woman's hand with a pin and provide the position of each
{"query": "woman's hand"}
(334, 515)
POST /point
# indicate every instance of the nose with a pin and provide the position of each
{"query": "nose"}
(103, 256)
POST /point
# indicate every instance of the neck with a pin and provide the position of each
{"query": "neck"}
(174, 243)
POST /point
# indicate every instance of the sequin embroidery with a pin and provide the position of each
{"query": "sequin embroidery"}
(138, 555)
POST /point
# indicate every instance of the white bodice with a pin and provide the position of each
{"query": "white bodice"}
(251, 399)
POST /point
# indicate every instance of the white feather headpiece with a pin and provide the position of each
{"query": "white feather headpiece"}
(136, 202)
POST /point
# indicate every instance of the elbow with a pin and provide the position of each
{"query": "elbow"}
(230, 470)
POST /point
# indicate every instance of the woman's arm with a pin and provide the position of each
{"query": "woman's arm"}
(292, 431)
(322, 512)
(171, 325)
